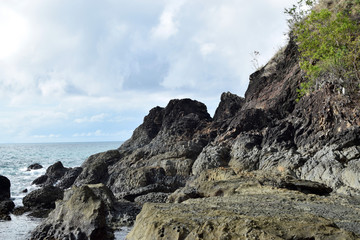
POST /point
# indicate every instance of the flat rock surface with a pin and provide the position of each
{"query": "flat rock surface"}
(246, 207)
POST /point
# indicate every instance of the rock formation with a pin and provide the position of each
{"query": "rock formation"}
(58, 175)
(6, 205)
(265, 167)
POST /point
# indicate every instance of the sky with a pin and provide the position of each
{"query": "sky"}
(90, 70)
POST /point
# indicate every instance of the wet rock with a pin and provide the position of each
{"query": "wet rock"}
(84, 213)
(53, 173)
(4, 188)
(43, 198)
(40, 180)
(6, 207)
(59, 176)
(34, 166)
(21, 210)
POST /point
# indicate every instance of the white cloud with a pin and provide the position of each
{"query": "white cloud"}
(95, 118)
(14, 30)
(47, 136)
(207, 48)
(168, 23)
(68, 66)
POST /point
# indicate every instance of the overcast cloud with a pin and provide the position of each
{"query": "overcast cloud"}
(80, 70)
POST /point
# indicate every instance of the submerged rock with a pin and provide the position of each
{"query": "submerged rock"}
(34, 166)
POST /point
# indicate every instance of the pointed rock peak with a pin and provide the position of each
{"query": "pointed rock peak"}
(228, 107)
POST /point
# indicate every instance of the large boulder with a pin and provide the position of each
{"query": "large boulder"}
(4, 188)
(86, 212)
(6, 205)
(43, 198)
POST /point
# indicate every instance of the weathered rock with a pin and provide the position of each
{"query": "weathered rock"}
(84, 213)
(43, 198)
(34, 166)
(4, 188)
(246, 206)
(195, 221)
(211, 157)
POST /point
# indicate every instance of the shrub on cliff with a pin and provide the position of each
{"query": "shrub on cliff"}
(329, 44)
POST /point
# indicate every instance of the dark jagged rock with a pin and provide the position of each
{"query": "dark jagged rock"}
(229, 106)
(58, 175)
(146, 131)
(43, 198)
(34, 166)
(160, 152)
(53, 174)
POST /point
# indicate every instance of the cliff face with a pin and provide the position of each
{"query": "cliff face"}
(279, 158)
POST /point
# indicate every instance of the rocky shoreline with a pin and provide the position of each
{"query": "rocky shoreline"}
(263, 167)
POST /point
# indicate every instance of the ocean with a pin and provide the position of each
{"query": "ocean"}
(14, 160)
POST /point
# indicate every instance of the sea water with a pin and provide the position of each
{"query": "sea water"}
(14, 160)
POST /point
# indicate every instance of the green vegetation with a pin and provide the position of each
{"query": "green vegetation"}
(329, 45)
